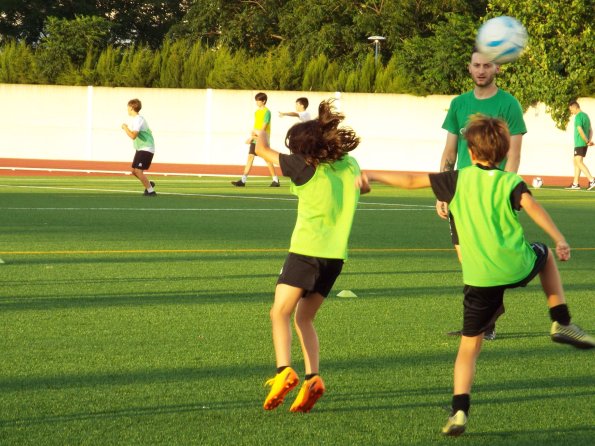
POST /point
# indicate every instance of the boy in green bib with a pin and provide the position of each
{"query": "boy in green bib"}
(322, 176)
(485, 201)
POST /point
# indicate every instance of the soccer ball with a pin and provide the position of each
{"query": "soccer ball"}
(501, 39)
(537, 182)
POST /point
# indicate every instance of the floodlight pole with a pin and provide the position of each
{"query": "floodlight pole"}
(376, 40)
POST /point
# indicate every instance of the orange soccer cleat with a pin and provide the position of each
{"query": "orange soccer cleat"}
(311, 390)
(281, 385)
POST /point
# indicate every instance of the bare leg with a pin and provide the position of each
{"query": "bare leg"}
(286, 300)
(271, 169)
(580, 162)
(304, 325)
(577, 170)
(248, 165)
(464, 371)
(551, 282)
(139, 173)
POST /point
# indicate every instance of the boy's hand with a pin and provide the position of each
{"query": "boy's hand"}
(124, 127)
(363, 184)
(563, 250)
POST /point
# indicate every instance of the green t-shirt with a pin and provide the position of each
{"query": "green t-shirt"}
(502, 105)
(581, 120)
(326, 207)
(493, 247)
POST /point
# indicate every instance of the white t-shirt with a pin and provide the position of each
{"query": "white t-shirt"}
(144, 140)
(304, 116)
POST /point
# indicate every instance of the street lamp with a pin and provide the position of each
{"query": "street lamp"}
(376, 40)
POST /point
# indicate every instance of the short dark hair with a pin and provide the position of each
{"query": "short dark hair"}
(487, 138)
(574, 102)
(303, 101)
(135, 104)
(261, 97)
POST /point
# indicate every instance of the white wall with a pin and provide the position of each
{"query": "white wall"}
(398, 132)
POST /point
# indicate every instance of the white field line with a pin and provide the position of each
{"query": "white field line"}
(395, 206)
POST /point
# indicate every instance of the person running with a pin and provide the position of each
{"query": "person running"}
(143, 143)
(496, 256)
(262, 121)
(322, 176)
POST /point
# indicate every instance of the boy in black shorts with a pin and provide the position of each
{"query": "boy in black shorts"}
(495, 255)
(143, 143)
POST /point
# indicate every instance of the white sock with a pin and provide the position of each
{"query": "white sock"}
(150, 189)
(276, 179)
(244, 178)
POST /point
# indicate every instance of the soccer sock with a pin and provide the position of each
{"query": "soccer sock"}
(310, 376)
(461, 402)
(150, 189)
(244, 178)
(275, 178)
(280, 369)
(560, 314)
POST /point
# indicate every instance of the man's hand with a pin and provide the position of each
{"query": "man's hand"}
(442, 209)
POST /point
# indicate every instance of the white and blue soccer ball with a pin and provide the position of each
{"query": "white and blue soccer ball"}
(537, 182)
(501, 39)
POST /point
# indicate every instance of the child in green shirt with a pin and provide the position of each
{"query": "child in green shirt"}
(485, 201)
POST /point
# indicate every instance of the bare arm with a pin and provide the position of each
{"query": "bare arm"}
(263, 149)
(582, 133)
(401, 180)
(130, 133)
(540, 216)
(448, 162)
(514, 154)
(289, 114)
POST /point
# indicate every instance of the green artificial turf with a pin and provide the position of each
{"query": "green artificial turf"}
(144, 320)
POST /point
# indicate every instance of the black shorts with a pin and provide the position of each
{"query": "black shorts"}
(580, 151)
(312, 274)
(483, 305)
(252, 150)
(453, 229)
(142, 160)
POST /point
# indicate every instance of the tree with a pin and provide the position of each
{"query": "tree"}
(558, 64)
(68, 43)
(250, 25)
(134, 21)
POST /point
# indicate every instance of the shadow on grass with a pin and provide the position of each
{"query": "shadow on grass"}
(151, 299)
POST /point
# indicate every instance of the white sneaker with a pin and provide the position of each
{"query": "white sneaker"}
(591, 185)
(571, 334)
(573, 187)
(455, 425)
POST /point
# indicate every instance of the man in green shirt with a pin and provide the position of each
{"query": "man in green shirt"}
(583, 134)
(489, 100)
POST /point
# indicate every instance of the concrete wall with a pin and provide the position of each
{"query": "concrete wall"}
(398, 132)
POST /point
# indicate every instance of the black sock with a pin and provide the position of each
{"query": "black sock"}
(461, 402)
(560, 314)
(310, 376)
(280, 369)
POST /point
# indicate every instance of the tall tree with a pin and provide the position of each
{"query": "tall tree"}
(135, 21)
(559, 63)
(250, 25)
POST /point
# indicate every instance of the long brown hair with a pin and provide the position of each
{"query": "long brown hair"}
(321, 140)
